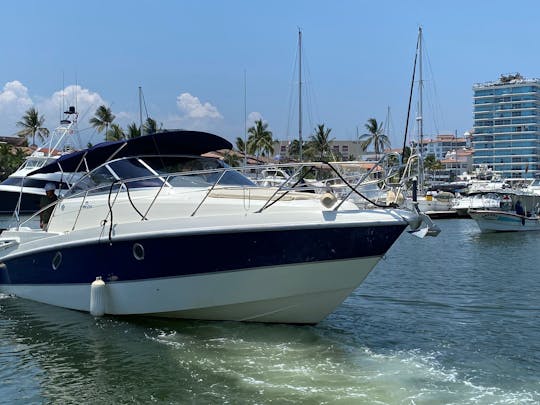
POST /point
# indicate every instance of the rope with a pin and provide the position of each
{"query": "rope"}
(392, 205)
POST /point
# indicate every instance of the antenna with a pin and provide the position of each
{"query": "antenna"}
(63, 104)
(245, 119)
(76, 91)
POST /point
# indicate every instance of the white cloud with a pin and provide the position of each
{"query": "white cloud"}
(85, 100)
(192, 107)
(14, 96)
(252, 117)
(14, 101)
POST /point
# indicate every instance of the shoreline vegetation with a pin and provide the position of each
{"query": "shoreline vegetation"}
(259, 146)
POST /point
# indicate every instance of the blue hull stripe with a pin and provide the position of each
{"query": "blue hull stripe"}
(183, 255)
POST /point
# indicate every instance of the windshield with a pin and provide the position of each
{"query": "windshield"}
(152, 171)
(166, 165)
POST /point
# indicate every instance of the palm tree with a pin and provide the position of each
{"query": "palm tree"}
(294, 149)
(431, 164)
(150, 126)
(32, 124)
(260, 141)
(115, 133)
(102, 119)
(231, 158)
(319, 143)
(133, 131)
(240, 145)
(374, 136)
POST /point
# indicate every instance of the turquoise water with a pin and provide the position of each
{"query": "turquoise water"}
(447, 320)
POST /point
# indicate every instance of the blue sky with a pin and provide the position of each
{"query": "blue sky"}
(190, 58)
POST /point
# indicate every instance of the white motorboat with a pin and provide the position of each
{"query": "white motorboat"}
(202, 244)
(20, 193)
(518, 211)
(479, 200)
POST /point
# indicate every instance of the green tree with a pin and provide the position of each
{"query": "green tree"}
(11, 158)
(231, 158)
(133, 131)
(294, 149)
(150, 126)
(102, 119)
(260, 141)
(431, 164)
(375, 137)
(319, 143)
(32, 124)
(240, 145)
(115, 133)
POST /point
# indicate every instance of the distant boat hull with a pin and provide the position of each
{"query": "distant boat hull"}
(501, 221)
(10, 198)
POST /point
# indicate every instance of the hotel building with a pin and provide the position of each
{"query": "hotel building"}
(506, 135)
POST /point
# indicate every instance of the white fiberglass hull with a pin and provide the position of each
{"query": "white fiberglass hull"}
(500, 221)
(302, 293)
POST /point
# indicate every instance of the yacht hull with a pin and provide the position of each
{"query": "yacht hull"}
(285, 275)
(302, 293)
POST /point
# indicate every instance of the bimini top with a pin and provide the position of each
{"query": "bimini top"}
(171, 143)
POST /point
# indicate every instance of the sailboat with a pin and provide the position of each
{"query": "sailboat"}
(434, 204)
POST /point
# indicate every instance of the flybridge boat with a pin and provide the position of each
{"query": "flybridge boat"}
(152, 228)
(21, 192)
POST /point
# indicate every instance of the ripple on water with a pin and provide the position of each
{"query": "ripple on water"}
(455, 322)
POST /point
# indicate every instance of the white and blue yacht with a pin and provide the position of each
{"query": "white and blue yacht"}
(160, 230)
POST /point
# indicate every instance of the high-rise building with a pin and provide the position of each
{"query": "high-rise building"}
(506, 135)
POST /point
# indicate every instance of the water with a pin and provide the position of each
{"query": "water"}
(447, 320)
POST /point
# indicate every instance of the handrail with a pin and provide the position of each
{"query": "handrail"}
(208, 193)
(284, 188)
(155, 197)
(384, 157)
(267, 203)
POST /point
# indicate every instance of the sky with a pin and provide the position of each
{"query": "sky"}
(218, 66)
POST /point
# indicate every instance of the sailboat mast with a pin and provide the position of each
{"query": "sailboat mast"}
(420, 115)
(140, 111)
(300, 90)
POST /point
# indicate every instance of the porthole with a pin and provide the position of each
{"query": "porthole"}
(138, 251)
(57, 260)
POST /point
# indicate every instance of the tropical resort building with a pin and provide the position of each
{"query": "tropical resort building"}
(441, 145)
(342, 150)
(506, 134)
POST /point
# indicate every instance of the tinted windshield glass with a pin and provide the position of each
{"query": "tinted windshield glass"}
(133, 168)
(178, 164)
(98, 180)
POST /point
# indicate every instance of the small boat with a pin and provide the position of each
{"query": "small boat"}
(518, 211)
(153, 228)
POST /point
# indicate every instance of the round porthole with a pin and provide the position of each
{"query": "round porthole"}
(138, 251)
(57, 260)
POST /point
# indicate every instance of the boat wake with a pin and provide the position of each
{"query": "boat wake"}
(279, 364)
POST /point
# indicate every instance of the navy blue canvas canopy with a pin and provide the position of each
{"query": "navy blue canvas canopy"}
(161, 143)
